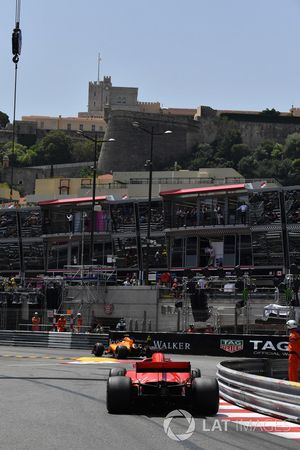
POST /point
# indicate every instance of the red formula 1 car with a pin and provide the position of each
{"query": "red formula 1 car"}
(161, 379)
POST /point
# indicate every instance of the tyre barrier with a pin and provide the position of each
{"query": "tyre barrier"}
(251, 384)
(51, 339)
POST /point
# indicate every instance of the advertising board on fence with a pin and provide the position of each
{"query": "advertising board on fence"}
(249, 346)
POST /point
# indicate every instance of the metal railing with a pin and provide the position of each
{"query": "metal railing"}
(84, 341)
(252, 384)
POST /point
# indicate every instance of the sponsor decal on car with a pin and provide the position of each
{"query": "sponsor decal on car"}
(232, 345)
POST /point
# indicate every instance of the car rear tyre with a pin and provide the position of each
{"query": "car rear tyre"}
(117, 372)
(118, 394)
(122, 352)
(205, 396)
(98, 349)
(196, 373)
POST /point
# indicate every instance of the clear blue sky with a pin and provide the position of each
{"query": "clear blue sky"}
(227, 54)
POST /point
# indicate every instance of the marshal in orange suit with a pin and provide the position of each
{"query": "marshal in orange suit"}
(294, 350)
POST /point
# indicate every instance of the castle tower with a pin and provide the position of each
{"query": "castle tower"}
(99, 96)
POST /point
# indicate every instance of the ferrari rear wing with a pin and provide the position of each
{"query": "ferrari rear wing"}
(169, 366)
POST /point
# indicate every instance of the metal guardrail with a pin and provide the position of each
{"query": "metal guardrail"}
(51, 339)
(251, 384)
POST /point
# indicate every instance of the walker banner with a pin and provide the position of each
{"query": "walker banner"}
(249, 346)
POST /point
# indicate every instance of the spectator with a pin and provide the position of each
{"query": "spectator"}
(99, 328)
(210, 251)
(36, 322)
(175, 288)
(70, 221)
(61, 324)
(121, 325)
(218, 215)
(79, 323)
(134, 280)
(242, 210)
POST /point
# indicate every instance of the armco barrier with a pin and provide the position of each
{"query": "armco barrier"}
(248, 383)
(51, 339)
(223, 345)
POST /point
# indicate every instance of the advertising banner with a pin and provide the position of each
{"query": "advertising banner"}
(249, 346)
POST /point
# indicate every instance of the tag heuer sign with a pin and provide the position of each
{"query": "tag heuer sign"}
(108, 308)
(231, 345)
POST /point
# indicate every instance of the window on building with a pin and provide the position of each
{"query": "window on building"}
(86, 183)
(93, 128)
(229, 251)
(69, 127)
(191, 252)
(245, 251)
(42, 124)
(64, 187)
(81, 127)
(177, 252)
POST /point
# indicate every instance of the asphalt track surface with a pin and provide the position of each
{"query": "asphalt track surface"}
(49, 400)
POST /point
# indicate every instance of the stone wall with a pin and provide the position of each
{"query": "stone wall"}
(132, 148)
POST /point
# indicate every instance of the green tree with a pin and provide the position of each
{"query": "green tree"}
(248, 166)
(277, 152)
(55, 148)
(224, 142)
(239, 151)
(86, 172)
(83, 151)
(4, 119)
(16, 157)
(270, 112)
(202, 156)
(292, 146)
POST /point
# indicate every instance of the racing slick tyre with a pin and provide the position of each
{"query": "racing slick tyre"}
(205, 396)
(196, 373)
(117, 372)
(118, 394)
(98, 349)
(122, 352)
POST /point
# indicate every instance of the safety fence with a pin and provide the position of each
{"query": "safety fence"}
(256, 384)
(51, 339)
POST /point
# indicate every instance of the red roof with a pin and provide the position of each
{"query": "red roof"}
(64, 201)
(204, 190)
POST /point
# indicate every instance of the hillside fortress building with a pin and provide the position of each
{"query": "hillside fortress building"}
(120, 107)
(113, 109)
(187, 132)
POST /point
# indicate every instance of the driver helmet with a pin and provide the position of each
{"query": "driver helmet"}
(291, 324)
